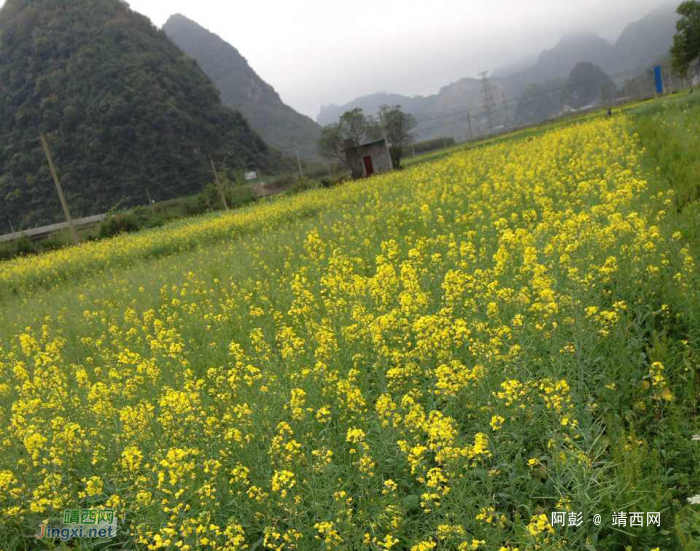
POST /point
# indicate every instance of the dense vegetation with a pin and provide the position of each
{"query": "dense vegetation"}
(241, 88)
(123, 108)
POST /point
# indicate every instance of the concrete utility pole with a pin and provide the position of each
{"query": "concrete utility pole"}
(218, 184)
(12, 229)
(59, 189)
(471, 134)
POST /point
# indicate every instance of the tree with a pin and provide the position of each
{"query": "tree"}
(686, 43)
(353, 129)
(397, 127)
(358, 127)
(331, 143)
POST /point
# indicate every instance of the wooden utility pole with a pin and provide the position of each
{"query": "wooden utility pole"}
(150, 202)
(59, 189)
(218, 183)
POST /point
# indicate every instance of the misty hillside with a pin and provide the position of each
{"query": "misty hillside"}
(444, 113)
(587, 85)
(124, 110)
(429, 111)
(537, 84)
(644, 42)
(241, 88)
(640, 45)
(571, 49)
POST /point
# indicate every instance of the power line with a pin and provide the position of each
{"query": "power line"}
(523, 96)
(468, 114)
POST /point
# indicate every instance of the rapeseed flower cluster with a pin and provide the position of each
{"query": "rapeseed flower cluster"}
(410, 362)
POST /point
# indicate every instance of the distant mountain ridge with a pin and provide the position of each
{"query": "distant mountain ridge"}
(573, 48)
(461, 96)
(641, 44)
(242, 88)
(645, 41)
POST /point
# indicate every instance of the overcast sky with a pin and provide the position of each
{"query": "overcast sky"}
(317, 52)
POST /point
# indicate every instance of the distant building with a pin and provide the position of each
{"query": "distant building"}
(369, 159)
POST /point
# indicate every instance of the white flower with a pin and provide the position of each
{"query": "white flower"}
(696, 437)
(695, 500)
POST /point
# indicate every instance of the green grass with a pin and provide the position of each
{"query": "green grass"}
(670, 131)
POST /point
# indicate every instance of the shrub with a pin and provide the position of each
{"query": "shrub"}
(239, 196)
(119, 223)
(303, 185)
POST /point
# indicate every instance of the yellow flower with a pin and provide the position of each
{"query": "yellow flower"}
(93, 486)
(355, 436)
(497, 422)
(424, 546)
(282, 481)
(539, 524)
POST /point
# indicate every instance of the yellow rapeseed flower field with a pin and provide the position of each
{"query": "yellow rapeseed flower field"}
(432, 359)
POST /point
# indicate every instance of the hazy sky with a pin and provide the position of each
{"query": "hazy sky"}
(317, 52)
